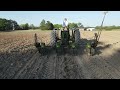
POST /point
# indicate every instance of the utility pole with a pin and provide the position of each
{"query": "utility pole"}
(99, 33)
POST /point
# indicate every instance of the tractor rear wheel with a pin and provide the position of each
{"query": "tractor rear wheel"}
(77, 37)
(53, 38)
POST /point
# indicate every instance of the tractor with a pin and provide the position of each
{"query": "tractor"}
(67, 40)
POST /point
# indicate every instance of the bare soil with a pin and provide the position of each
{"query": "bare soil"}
(19, 59)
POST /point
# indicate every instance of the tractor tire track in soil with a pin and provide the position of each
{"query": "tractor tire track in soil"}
(50, 67)
(68, 66)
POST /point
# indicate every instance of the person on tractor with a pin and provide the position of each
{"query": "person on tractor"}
(65, 24)
(65, 36)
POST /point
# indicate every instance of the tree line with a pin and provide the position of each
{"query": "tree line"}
(47, 25)
(107, 27)
(6, 25)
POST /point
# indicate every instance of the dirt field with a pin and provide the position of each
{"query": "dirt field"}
(19, 59)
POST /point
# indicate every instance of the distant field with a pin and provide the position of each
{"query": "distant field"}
(19, 59)
(110, 30)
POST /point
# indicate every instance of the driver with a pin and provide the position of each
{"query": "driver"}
(65, 24)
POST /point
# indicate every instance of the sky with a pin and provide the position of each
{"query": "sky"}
(87, 18)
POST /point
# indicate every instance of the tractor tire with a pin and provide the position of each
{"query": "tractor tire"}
(53, 38)
(92, 51)
(77, 37)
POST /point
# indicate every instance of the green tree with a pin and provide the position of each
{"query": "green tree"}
(49, 25)
(31, 26)
(24, 26)
(43, 25)
(46, 25)
(8, 24)
(57, 26)
(80, 25)
(73, 25)
(14, 25)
